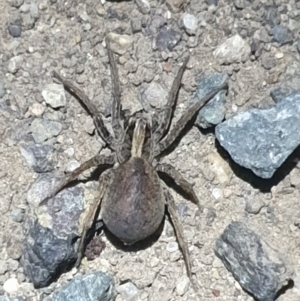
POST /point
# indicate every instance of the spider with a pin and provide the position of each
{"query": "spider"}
(132, 198)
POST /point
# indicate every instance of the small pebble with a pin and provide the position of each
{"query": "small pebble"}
(127, 290)
(15, 30)
(172, 246)
(217, 193)
(54, 95)
(17, 215)
(72, 165)
(182, 285)
(11, 285)
(119, 44)
(190, 23)
(13, 264)
(15, 64)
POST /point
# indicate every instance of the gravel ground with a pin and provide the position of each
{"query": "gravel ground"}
(67, 36)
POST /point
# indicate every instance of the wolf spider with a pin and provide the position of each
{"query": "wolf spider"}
(132, 198)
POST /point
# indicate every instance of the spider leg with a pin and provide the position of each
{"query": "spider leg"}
(164, 119)
(178, 231)
(171, 172)
(79, 94)
(90, 218)
(95, 161)
(116, 94)
(183, 120)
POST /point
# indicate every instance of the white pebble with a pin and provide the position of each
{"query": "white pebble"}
(11, 285)
(182, 285)
(217, 193)
(72, 165)
(172, 246)
(190, 23)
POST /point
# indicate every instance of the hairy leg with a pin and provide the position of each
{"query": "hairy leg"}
(116, 94)
(101, 128)
(95, 161)
(164, 119)
(90, 217)
(170, 171)
(183, 120)
(178, 231)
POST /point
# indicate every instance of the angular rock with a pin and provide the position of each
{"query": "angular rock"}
(233, 50)
(15, 30)
(54, 95)
(257, 267)
(119, 44)
(46, 256)
(97, 286)
(214, 111)
(38, 157)
(190, 23)
(155, 96)
(262, 139)
(15, 64)
(282, 34)
(167, 38)
(128, 290)
(49, 247)
(144, 6)
(44, 129)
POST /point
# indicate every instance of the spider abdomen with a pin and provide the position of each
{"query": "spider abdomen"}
(134, 206)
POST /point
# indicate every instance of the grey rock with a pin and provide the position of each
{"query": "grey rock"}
(45, 256)
(28, 21)
(128, 290)
(18, 215)
(15, 3)
(44, 129)
(38, 157)
(240, 4)
(54, 95)
(233, 50)
(136, 25)
(282, 34)
(288, 86)
(144, 6)
(257, 267)
(262, 139)
(268, 61)
(34, 11)
(49, 248)
(2, 90)
(15, 64)
(272, 16)
(154, 95)
(214, 111)
(298, 46)
(190, 23)
(119, 44)
(97, 286)
(15, 30)
(167, 38)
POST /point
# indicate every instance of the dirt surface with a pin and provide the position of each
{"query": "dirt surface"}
(67, 36)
